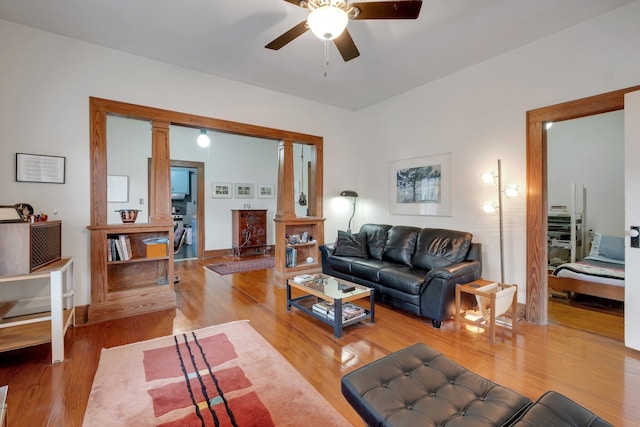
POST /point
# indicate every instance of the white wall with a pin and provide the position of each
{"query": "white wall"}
(589, 151)
(233, 159)
(632, 218)
(478, 114)
(46, 82)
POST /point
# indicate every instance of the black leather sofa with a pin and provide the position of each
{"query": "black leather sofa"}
(417, 386)
(410, 268)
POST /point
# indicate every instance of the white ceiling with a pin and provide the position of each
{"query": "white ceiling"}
(227, 38)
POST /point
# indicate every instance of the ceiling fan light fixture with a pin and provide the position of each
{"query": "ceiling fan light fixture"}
(327, 22)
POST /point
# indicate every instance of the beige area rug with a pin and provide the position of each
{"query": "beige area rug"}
(224, 375)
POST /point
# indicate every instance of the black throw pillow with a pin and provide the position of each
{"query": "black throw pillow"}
(351, 244)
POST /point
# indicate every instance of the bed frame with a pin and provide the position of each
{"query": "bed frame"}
(612, 292)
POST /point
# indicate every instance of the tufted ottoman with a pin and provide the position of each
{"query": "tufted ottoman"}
(419, 387)
(554, 409)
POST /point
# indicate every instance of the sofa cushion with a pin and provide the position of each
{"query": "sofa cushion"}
(404, 279)
(400, 244)
(438, 247)
(368, 269)
(376, 238)
(342, 264)
(354, 245)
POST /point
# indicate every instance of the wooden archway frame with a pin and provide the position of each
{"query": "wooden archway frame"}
(160, 186)
(537, 289)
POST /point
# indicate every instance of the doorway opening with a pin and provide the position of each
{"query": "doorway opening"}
(187, 209)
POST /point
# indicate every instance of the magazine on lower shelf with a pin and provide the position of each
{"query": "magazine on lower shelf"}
(349, 311)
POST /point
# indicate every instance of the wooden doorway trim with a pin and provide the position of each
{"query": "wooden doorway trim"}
(537, 292)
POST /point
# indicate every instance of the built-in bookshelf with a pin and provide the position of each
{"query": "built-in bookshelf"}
(129, 274)
(300, 239)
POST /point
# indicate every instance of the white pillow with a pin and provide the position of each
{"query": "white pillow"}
(595, 244)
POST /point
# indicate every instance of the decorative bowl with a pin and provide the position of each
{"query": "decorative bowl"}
(128, 215)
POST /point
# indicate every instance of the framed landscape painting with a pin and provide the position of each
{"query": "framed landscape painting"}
(421, 186)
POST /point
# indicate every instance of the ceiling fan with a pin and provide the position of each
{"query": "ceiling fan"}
(328, 20)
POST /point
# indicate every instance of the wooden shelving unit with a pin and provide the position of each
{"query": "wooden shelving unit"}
(137, 285)
(34, 329)
(314, 227)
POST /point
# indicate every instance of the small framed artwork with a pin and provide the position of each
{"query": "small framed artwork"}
(117, 188)
(10, 214)
(243, 191)
(266, 191)
(221, 190)
(421, 186)
(39, 168)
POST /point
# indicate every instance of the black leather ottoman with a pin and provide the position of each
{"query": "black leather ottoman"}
(418, 386)
(554, 409)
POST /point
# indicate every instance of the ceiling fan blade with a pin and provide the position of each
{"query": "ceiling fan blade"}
(289, 36)
(409, 9)
(346, 46)
(298, 3)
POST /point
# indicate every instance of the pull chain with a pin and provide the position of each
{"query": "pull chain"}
(326, 57)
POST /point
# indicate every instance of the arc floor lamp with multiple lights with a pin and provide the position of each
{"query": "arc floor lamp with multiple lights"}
(490, 206)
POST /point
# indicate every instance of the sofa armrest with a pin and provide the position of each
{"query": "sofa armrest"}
(455, 270)
(328, 248)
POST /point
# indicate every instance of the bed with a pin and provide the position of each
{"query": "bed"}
(601, 274)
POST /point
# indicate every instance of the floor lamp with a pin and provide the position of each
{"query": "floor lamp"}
(490, 207)
(350, 193)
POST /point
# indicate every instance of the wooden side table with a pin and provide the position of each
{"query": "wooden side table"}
(474, 289)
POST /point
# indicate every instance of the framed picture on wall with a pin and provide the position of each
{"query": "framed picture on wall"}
(117, 188)
(266, 191)
(421, 186)
(221, 190)
(39, 168)
(243, 191)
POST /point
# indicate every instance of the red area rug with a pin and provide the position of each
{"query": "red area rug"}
(226, 375)
(242, 266)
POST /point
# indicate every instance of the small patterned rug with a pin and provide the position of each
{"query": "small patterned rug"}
(242, 266)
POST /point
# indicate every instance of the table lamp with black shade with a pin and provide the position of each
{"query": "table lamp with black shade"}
(354, 195)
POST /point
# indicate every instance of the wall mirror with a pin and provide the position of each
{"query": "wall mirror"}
(304, 204)
(128, 148)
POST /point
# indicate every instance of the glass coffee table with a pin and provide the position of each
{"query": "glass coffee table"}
(329, 300)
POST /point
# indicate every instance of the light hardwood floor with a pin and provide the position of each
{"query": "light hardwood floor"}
(594, 370)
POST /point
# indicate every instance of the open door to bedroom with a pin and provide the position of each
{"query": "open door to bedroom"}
(584, 292)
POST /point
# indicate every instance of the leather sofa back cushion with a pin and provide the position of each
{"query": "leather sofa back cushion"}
(400, 245)
(351, 244)
(376, 238)
(438, 248)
